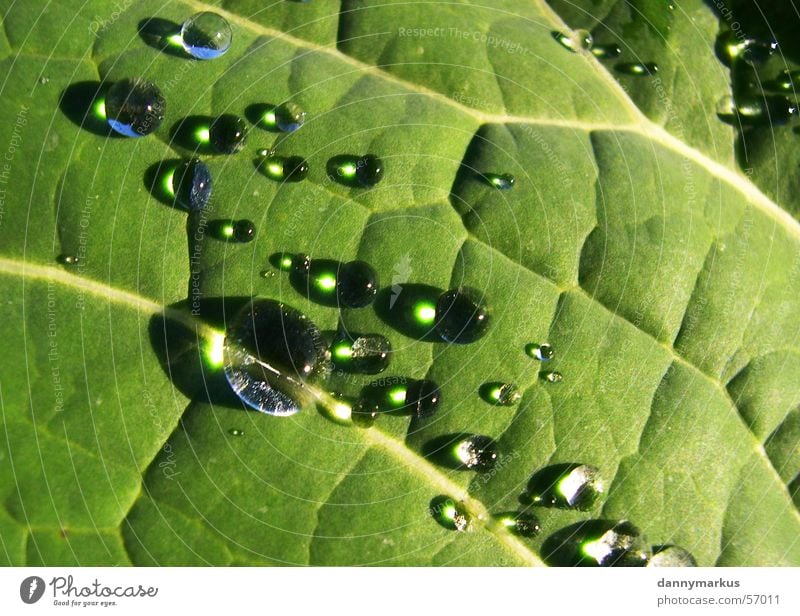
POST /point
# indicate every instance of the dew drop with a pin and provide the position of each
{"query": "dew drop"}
(566, 486)
(68, 259)
(500, 394)
(44, 80)
(271, 353)
(607, 51)
(206, 35)
(640, 69)
(756, 110)
(787, 81)
(449, 514)
(552, 376)
(236, 432)
(522, 524)
(461, 315)
(671, 556)
(369, 170)
(501, 181)
(228, 134)
(244, 231)
(134, 107)
(362, 353)
(575, 41)
(356, 284)
(289, 117)
(283, 168)
(732, 46)
(191, 183)
(597, 543)
(422, 398)
(542, 352)
(477, 453)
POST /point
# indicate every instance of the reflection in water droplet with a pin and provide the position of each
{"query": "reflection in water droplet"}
(206, 35)
(134, 107)
(607, 51)
(552, 377)
(575, 41)
(568, 486)
(271, 352)
(362, 353)
(522, 524)
(542, 352)
(501, 181)
(191, 183)
(461, 315)
(597, 543)
(228, 134)
(477, 453)
(641, 69)
(671, 556)
(449, 514)
(289, 117)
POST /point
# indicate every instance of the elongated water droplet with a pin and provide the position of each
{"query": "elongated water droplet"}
(135, 107)
(289, 117)
(191, 183)
(422, 398)
(450, 514)
(369, 170)
(477, 453)
(575, 41)
(68, 259)
(552, 376)
(461, 315)
(640, 69)
(523, 524)
(356, 284)
(568, 486)
(597, 543)
(501, 181)
(500, 394)
(284, 168)
(271, 353)
(206, 35)
(228, 134)
(542, 352)
(241, 231)
(363, 353)
(607, 51)
(236, 432)
(671, 556)
(756, 110)
(734, 45)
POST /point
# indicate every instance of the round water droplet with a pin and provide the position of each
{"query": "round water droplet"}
(356, 284)
(500, 394)
(542, 352)
(369, 170)
(671, 556)
(271, 353)
(477, 453)
(607, 51)
(289, 117)
(288, 168)
(244, 231)
(461, 316)
(228, 134)
(500, 181)
(639, 69)
(422, 398)
(68, 259)
(449, 513)
(191, 182)
(135, 107)
(575, 41)
(236, 432)
(362, 353)
(597, 543)
(552, 377)
(522, 524)
(206, 35)
(567, 486)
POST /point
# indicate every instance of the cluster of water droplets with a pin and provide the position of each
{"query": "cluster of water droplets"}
(582, 41)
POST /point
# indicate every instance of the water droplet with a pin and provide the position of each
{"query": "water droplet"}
(68, 259)
(567, 486)
(134, 107)
(787, 81)
(191, 183)
(522, 524)
(500, 394)
(283, 168)
(641, 69)
(422, 398)
(477, 453)
(356, 284)
(501, 181)
(244, 231)
(597, 543)
(461, 315)
(756, 110)
(267, 274)
(369, 170)
(449, 514)
(44, 80)
(206, 35)
(575, 41)
(733, 45)
(271, 353)
(671, 556)
(289, 117)
(363, 353)
(552, 376)
(542, 352)
(607, 51)
(228, 134)
(236, 432)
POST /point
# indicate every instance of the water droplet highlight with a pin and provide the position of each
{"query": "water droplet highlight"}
(206, 35)
(461, 316)
(477, 453)
(289, 117)
(227, 134)
(671, 556)
(500, 394)
(369, 170)
(567, 486)
(362, 353)
(575, 41)
(241, 231)
(542, 352)
(191, 184)
(639, 69)
(356, 284)
(449, 514)
(272, 352)
(134, 107)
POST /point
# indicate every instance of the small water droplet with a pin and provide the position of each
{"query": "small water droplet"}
(362, 353)
(422, 398)
(289, 117)
(567, 486)
(756, 110)
(552, 376)
(575, 41)
(271, 353)
(501, 181)
(640, 69)
(671, 556)
(356, 284)
(597, 543)
(369, 170)
(191, 183)
(228, 134)
(542, 352)
(523, 524)
(267, 274)
(283, 168)
(44, 80)
(787, 81)
(206, 35)
(461, 315)
(500, 394)
(450, 514)
(607, 51)
(68, 259)
(134, 107)
(236, 432)
(477, 453)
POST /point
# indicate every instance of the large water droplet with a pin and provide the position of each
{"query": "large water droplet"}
(289, 117)
(283, 168)
(191, 183)
(638, 69)
(568, 486)
(500, 394)
(135, 107)
(477, 453)
(363, 353)
(272, 352)
(522, 524)
(461, 315)
(597, 543)
(228, 134)
(356, 284)
(448, 513)
(369, 170)
(671, 556)
(206, 35)
(575, 41)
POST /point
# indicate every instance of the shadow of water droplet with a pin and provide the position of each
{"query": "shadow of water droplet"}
(191, 133)
(163, 35)
(410, 309)
(84, 105)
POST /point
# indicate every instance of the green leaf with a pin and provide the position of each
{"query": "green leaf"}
(666, 282)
